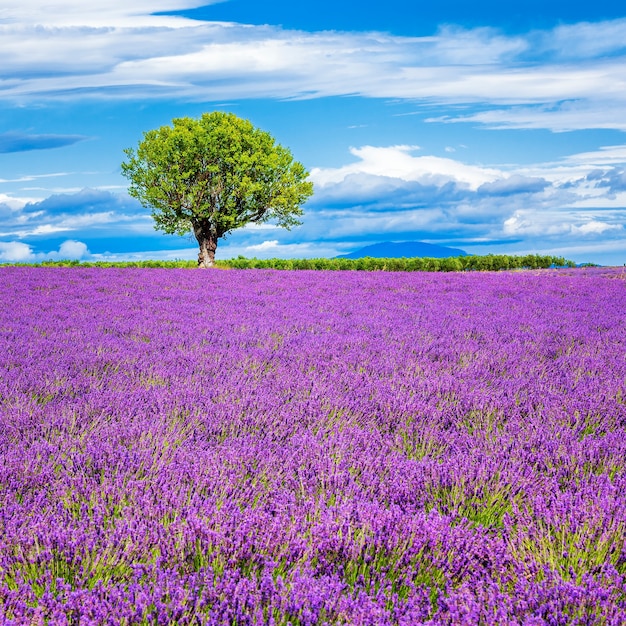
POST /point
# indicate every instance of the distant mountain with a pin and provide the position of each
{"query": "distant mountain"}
(408, 249)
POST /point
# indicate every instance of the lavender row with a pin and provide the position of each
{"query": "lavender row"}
(264, 447)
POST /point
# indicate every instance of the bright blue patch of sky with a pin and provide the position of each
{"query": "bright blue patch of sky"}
(408, 17)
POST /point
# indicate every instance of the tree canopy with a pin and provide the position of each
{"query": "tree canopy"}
(212, 175)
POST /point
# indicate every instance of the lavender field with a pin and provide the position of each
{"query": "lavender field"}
(267, 447)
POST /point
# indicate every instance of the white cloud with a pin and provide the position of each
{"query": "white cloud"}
(565, 78)
(398, 162)
(266, 245)
(600, 200)
(576, 40)
(92, 210)
(30, 225)
(19, 252)
(11, 202)
(599, 110)
(31, 177)
(392, 191)
(565, 222)
(65, 13)
(606, 155)
(595, 227)
(71, 249)
(15, 251)
(281, 250)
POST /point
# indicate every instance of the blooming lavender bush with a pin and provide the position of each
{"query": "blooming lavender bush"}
(264, 447)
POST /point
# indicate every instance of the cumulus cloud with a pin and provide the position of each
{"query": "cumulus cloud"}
(514, 184)
(15, 251)
(71, 249)
(20, 252)
(595, 227)
(564, 78)
(385, 193)
(8, 204)
(395, 191)
(88, 209)
(398, 162)
(263, 246)
(558, 224)
(86, 201)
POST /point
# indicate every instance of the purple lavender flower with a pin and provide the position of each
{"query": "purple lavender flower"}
(265, 447)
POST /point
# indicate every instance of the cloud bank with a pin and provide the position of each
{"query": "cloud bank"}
(566, 78)
(568, 207)
(90, 212)
(405, 192)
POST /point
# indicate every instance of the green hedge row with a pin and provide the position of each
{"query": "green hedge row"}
(450, 264)
(490, 262)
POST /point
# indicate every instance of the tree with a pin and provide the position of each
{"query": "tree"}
(212, 175)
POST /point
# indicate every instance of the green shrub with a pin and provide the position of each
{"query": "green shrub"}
(489, 262)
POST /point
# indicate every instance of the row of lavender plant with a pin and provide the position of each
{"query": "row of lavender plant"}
(264, 447)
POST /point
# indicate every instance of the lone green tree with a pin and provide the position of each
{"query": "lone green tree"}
(212, 175)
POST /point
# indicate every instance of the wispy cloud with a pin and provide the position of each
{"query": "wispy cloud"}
(590, 111)
(31, 177)
(98, 13)
(21, 142)
(566, 78)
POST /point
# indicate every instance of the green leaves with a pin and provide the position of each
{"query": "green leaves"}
(215, 174)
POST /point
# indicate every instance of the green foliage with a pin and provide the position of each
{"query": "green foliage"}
(572, 550)
(214, 174)
(489, 262)
(74, 263)
(451, 264)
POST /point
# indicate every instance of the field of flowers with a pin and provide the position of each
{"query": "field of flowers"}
(266, 447)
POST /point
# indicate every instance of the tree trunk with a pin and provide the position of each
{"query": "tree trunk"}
(207, 240)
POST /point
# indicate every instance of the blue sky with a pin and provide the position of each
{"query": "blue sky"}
(489, 126)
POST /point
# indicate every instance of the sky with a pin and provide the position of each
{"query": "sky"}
(488, 126)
